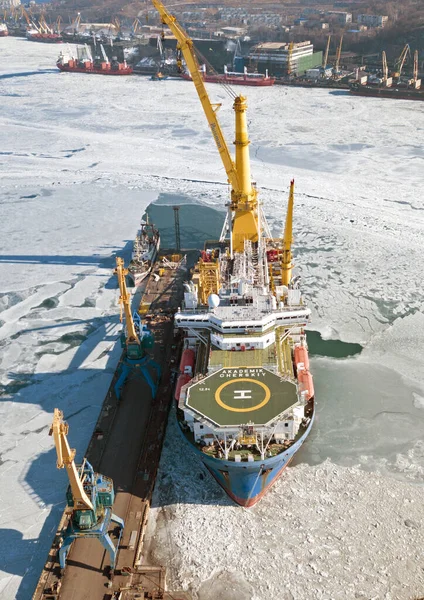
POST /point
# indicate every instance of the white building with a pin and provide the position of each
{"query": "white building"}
(340, 16)
(9, 3)
(372, 20)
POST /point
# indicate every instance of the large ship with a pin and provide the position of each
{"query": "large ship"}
(233, 78)
(144, 253)
(84, 63)
(45, 37)
(394, 92)
(244, 393)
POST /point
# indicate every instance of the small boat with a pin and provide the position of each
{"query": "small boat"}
(145, 250)
(158, 76)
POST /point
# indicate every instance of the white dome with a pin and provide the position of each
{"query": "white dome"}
(213, 301)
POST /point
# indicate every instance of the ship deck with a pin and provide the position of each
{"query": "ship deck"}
(125, 446)
(241, 395)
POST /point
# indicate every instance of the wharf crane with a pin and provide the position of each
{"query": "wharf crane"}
(399, 64)
(416, 83)
(244, 209)
(336, 68)
(135, 339)
(385, 68)
(90, 496)
(325, 57)
(289, 58)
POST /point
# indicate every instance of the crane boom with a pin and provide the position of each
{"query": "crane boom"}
(325, 57)
(65, 458)
(288, 239)
(125, 301)
(401, 61)
(385, 68)
(245, 224)
(338, 55)
(415, 71)
(186, 47)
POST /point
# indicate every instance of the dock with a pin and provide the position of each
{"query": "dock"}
(126, 445)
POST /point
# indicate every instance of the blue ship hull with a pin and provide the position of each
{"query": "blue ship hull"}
(247, 482)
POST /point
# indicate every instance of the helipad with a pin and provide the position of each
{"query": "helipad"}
(236, 396)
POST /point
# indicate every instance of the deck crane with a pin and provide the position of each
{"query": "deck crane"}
(286, 263)
(135, 339)
(244, 209)
(289, 58)
(325, 57)
(336, 68)
(90, 496)
(385, 68)
(31, 24)
(400, 62)
(416, 83)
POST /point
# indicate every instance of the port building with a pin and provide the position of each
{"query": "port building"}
(279, 59)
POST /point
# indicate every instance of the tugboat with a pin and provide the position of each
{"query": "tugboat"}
(145, 249)
(85, 64)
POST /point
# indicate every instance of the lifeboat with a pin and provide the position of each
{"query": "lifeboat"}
(187, 362)
(301, 358)
(182, 380)
(306, 383)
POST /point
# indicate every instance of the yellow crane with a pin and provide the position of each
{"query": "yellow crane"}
(325, 57)
(289, 58)
(90, 496)
(135, 339)
(286, 262)
(401, 61)
(385, 68)
(336, 68)
(416, 83)
(244, 204)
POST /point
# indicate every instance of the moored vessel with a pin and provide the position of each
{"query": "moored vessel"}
(46, 38)
(144, 253)
(244, 391)
(84, 63)
(393, 92)
(233, 78)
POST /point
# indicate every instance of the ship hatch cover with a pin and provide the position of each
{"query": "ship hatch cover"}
(236, 396)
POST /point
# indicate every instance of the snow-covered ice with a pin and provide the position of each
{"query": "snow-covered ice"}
(80, 159)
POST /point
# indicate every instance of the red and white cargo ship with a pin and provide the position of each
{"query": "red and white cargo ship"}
(233, 78)
(85, 64)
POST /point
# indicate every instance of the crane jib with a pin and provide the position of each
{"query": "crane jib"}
(215, 135)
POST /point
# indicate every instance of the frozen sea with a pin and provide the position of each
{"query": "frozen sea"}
(81, 157)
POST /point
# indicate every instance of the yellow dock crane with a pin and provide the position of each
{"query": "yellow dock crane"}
(325, 57)
(289, 59)
(244, 203)
(90, 497)
(399, 64)
(136, 338)
(336, 68)
(416, 83)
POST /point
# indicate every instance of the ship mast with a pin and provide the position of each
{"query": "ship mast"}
(244, 204)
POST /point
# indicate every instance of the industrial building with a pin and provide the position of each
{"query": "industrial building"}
(372, 20)
(282, 58)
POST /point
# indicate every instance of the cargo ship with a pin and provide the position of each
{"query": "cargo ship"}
(233, 78)
(244, 392)
(84, 63)
(3, 30)
(144, 253)
(393, 92)
(46, 38)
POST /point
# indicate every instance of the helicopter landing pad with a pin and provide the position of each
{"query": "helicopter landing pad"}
(236, 396)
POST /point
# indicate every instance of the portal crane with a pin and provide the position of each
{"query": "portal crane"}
(401, 61)
(289, 58)
(385, 68)
(135, 339)
(245, 223)
(90, 497)
(325, 57)
(336, 68)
